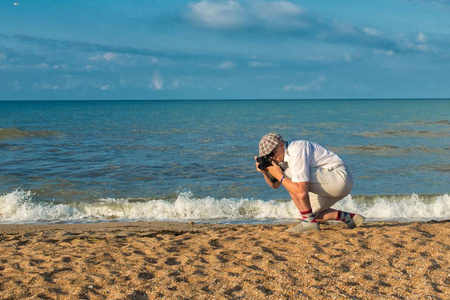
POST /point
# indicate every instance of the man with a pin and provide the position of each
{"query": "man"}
(315, 178)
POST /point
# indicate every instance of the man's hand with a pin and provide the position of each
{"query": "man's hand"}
(258, 169)
(275, 171)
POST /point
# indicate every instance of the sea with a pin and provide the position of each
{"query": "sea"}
(183, 161)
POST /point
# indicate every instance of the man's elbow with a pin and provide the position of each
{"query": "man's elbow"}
(302, 195)
(275, 186)
(301, 191)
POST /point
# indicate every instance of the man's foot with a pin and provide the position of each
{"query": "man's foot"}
(303, 227)
(356, 221)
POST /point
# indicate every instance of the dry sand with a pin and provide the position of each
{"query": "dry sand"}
(194, 261)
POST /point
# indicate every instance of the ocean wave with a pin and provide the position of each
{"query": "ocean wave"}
(20, 207)
(398, 207)
(14, 133)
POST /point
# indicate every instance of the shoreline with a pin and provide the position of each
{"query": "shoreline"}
(182, 225)
(171, 260)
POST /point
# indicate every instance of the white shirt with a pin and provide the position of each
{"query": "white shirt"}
(301, 155)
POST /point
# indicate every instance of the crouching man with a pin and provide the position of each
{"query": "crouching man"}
(315, 178)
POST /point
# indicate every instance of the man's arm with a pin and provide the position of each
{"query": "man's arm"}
(299, 193)
(269, 181)
(297, 190)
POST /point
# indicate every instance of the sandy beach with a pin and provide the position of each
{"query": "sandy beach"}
(219, 261)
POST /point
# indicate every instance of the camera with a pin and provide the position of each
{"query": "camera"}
(264, 162)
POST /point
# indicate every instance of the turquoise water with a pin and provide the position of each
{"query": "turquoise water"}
(179, 160)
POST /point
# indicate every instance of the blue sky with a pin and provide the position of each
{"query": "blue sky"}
(162, 49)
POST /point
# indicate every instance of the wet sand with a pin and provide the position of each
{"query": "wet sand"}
(217, 261)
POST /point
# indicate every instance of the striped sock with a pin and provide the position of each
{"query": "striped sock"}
(344, 216)
(308, 216)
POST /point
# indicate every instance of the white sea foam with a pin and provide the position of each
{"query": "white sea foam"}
(400, 208)
(20, 207)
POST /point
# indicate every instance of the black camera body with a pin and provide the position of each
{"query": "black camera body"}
(264, 162)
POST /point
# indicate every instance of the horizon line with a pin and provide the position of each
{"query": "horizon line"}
(228, 99)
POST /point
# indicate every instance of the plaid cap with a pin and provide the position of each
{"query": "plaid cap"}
(268, 143)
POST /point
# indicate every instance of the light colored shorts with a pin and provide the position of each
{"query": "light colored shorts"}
(328, 186)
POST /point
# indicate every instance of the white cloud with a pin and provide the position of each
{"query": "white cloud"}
(107, 56)
(426, 48)
(276, 12)
(105, 87)
(40, 66)
(96, 57)
(420, 44)
(233, 15)
(258, 16)
(226, 65)
(421, 38)
(157, 81)
(371, 31)
(259, 64)
(45, 86)
(276, 8)
(221, 15)
(316, 84)
(60, 66)
(110, 56)
(383, 52)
